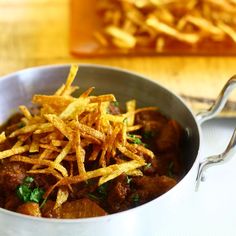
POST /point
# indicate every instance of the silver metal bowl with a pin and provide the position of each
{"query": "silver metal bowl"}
(18, 88)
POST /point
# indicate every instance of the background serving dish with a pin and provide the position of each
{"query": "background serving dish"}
(124, 85)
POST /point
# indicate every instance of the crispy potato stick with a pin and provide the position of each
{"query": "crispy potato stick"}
(53, 100)
(13, 151)
(102, 161)
(63, 153)
(140, 148)
(45, 129)
(204, 25)
(103, 98)
(130, 107)
(75, 108)
(18, 144)
(62, 196)
(130, 154)
(228, 30)
(70, 90)
(113, 118)
(59, 143)
(25, 112)
(101, 38)
(145, 109)
(95, 153)
(88, 139)
(135, 172)
(60, 125)
(191, 38)
(123, 36)
(2, 137)
(73, 71)
(30, 129)
(47, 109)
(60, 90)
(44, 155)
(34, 146)
(80, 153)
(88, 130)
(50, 137)
(47, 171)
(49, 147)
(124, 133)
(124, 169)
(112, 139)
(134, 128)
(48, 163)
(86, 93)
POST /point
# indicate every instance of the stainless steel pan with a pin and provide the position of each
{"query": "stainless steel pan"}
(150, 218)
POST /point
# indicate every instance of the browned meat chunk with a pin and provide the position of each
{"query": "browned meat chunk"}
(117, 193)
(48, 211)
(29, 208)
(149, 188)
(12, 201)
(11, 175)
(169, 137)
(81, 208)
(151, 120)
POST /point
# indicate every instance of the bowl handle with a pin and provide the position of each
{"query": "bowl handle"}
(219, 103)
(216, 159)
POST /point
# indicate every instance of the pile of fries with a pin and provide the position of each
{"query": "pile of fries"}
(67, 133)
(130, 24)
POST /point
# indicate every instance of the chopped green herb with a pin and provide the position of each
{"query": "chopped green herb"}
(135, 198)
(135, 139)
(147, 166)
(129, 179)
(148, 134)
(21, 125)
(93, 197)
(36, 195)
(43, 203)
(102, 190)
(115, 103)
(125, 120)
(23, 192)
(28, 180)
(28, 194)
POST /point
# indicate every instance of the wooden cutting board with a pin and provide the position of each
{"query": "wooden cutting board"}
(36, 32)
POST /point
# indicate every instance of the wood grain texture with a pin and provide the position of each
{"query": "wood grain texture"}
(36, 32)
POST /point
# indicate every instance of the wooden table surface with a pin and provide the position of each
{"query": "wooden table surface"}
(36, 32)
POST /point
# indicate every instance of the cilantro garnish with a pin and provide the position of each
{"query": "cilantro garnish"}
(21, 125)
(28, 194)
(135, 139)
(115, 103)
(148, 134)
(147, 166)
(135, 198)
(129, 179)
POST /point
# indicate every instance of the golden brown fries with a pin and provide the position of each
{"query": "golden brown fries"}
(68, 134)
(129, 24)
